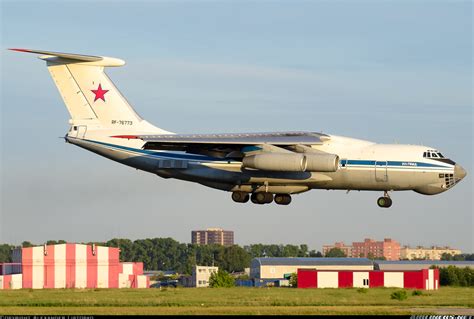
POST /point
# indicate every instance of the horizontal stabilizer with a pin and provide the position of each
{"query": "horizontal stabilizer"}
(75, 58)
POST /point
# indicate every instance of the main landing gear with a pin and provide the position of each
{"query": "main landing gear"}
(384, 201)
(261, 198)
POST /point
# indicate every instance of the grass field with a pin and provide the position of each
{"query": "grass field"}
(234, 301)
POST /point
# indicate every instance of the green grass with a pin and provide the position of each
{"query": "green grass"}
(230, 301)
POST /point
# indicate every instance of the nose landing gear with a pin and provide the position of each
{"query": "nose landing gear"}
(384, 201)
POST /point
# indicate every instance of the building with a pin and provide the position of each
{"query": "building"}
(276, 268)
(427, 279)
(201, 275)
(388, 248)
(432, 253)
(420, 264)
(212, 236)
(345, 248)
(71, 266)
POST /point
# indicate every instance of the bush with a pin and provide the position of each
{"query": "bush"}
(221, 279)
(399, 295)
(293, 280)
(417, 293)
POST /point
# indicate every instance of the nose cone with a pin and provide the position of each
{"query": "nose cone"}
(459, 172)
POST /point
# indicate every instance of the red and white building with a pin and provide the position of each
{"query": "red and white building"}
(426, 279)
(71, 266)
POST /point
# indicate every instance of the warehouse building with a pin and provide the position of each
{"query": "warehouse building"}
(426, 279)
(71, 266)
(277, 268)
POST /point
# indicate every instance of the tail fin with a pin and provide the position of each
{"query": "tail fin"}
(90, 96)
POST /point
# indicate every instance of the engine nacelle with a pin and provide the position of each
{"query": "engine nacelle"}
(321, 162)
(295, 162)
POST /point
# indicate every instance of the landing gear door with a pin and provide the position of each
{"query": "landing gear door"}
(381, 171)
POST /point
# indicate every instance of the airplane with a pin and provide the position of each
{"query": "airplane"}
(261, 167)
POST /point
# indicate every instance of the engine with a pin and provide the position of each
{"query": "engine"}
(295, 162)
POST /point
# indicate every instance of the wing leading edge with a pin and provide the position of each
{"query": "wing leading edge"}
(226, 144)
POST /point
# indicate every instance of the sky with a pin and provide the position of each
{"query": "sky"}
(385, 71)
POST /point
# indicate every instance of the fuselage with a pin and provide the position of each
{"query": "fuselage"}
(363, 165)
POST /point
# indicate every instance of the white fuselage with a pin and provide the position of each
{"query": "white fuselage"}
(363, 165)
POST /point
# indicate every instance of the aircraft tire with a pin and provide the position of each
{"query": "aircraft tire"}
(268, 198)
(240, 197)
(253, 198)
(282, 199)
(261, 198)
(384, 202)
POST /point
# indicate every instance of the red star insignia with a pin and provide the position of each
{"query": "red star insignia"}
(99, 93)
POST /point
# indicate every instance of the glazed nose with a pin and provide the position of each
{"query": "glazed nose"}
(459, 172)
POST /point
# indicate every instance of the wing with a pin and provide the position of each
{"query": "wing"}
(227, 145)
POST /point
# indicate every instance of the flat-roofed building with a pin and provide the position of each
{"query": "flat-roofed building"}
(388, 248)
(432, 253)
(202, 274)
(426, 279)
(71, 265)
(396, 265)
(212, 236)
(347, 249)
(277, 268)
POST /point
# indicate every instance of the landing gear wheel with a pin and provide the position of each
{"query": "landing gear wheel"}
(261, 198)
(240, 197)
(268, 198)
(282, 199)
(253, 198)
(384, 202)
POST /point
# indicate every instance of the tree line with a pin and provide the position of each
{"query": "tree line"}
(461, 257)
(456, 276)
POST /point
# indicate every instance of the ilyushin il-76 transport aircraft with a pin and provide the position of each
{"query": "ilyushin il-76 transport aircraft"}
(262, 167)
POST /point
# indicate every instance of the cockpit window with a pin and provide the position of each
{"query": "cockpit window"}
(432, 154)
